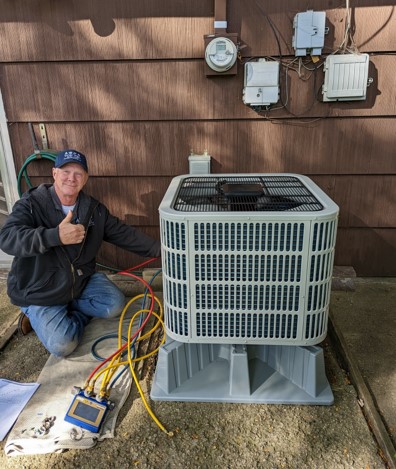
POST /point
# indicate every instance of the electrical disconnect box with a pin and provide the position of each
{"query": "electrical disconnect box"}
(199, 164)
(309, 32)
(261, 83)
(346, 77)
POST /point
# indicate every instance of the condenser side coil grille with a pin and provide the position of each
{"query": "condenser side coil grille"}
(248, 236)
(247, 268)
(239, 297)
(245, 194)
(247, 326)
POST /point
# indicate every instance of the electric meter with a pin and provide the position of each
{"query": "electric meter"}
(220, 54)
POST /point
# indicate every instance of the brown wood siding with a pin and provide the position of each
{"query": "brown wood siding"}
(327, 146)
(372, 252)
(169, 90)
(125, 84)
(126, 30)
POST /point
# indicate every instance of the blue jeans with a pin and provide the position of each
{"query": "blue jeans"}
(61, 327)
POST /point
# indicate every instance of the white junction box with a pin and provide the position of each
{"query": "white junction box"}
(346, 77)
(309, 32)
(199, 164)
(261, 83)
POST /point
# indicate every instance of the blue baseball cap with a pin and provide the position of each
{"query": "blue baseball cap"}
(70, 156)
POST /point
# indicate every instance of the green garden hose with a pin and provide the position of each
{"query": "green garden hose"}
(47, 155)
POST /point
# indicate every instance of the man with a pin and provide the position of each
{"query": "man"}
(54, 233)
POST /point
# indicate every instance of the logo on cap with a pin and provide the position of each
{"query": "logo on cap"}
(70, 156)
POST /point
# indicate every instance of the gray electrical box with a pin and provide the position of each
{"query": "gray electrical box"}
(261, 83)
(199, 164)
(309, 31)
(346, 77)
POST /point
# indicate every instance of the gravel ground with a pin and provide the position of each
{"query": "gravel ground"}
(213, 435)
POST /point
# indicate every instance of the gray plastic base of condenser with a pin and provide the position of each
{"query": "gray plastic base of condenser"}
(270, 374)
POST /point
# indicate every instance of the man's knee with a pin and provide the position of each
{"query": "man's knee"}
(113, 300)
(116, 306)
(62, 348)
(101, 298)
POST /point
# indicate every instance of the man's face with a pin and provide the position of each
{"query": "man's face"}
(68, 181)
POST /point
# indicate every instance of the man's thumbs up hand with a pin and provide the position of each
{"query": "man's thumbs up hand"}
(68, 217)
(69, 233)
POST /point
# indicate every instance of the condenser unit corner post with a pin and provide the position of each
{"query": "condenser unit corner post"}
(247, 265)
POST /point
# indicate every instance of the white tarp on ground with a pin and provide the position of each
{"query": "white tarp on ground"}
(54, 397)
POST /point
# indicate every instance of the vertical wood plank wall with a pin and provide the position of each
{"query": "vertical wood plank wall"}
(124, 83)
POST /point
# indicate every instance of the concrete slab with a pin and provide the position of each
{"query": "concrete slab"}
(366, 318)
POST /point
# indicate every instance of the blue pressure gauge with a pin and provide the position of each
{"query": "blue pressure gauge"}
(87, 412)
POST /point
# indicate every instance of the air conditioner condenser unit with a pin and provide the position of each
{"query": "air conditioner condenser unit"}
(247, 265)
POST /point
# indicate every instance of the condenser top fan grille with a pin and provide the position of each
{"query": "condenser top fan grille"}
(245, 194)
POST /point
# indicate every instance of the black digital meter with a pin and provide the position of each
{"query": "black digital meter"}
(87, 412)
